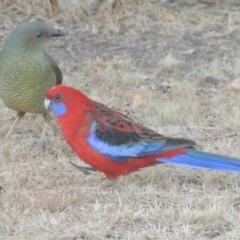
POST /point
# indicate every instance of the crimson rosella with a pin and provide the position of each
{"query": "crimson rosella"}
(114, 144)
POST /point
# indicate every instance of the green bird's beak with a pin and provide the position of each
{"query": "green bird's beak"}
(58, 33)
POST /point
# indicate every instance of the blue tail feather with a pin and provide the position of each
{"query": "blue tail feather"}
(203, 160)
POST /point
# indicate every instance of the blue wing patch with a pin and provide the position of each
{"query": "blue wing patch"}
(121, 152)
(119, 145)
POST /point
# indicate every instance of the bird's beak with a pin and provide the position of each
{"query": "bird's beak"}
(47, 103)
(58, 33)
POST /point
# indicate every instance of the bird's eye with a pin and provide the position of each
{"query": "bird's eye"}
(58, 96)
(38, 35)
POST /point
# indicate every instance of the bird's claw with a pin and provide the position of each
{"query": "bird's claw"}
(107, 185)
(85, 170)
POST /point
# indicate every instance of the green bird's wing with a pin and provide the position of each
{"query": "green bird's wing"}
(55, 67)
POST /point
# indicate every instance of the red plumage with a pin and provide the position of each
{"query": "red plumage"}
(75, 127)
(114, 144)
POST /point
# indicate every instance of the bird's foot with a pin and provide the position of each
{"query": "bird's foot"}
(107, 185)
(85, 170)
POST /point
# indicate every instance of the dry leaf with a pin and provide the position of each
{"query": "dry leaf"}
(169, 16)
(189, 51)
(100, 63)
(139, 99)
(114, 52)
(234, 85)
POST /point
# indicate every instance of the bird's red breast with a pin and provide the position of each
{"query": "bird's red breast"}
(77, 132)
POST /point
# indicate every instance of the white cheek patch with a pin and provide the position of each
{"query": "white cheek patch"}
(47, 103)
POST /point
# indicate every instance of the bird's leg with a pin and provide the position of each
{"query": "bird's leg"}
(19, 116)
(85, 170)
(47, 119)
(110, 184)
(107, 185)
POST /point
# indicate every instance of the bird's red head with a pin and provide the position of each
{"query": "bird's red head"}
(61, 99)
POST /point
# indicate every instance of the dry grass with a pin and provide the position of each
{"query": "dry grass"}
(111, 61)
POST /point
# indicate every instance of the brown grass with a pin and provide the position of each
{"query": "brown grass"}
(47, 198)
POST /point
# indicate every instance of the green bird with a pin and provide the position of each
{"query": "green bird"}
(27, 71)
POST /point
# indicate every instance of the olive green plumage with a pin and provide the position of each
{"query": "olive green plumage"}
(26, 70)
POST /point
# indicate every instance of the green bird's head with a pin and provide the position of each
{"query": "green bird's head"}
(33, 34)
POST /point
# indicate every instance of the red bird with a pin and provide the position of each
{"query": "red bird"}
(114, 144)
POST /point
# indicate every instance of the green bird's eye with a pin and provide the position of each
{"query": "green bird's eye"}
(38, 35)
(58, 96)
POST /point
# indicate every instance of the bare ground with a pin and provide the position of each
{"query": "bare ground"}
(178, 70)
